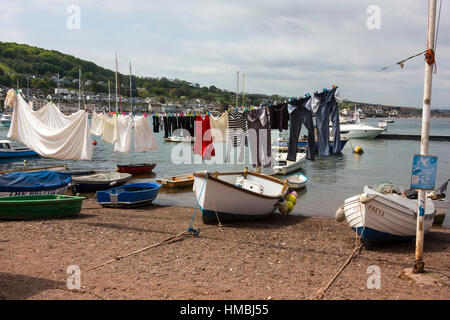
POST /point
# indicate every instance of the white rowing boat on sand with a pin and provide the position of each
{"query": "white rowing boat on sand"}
(237, 195)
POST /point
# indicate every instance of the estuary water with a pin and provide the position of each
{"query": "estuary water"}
(331, 179)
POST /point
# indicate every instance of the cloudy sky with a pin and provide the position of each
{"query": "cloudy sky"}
(287, 47)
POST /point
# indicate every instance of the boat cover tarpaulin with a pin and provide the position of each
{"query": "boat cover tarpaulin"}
(33, 181)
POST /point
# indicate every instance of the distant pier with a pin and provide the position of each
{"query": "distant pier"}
(411, 137)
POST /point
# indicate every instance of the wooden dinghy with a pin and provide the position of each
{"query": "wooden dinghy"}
(139, 168)
(230, 196)
(129, 195)
(179, 181)
(377, 217)
(39, 207)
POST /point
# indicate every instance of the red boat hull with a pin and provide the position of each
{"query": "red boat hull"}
(136, 168)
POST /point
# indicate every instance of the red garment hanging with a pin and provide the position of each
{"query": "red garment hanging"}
(203, 144)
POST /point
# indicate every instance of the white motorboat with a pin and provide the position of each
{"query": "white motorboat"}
(237, 195)
(360, 131)
(376, 217)
(284, 166)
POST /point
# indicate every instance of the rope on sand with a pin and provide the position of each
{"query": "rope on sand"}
(142, 250)
(321, 292)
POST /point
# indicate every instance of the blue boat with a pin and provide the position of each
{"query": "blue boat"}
(129, 195)
(8, 151)
(43, 182)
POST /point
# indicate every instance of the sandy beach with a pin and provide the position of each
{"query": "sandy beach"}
(282, 257)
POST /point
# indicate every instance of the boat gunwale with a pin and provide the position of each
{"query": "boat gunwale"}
(227, 184)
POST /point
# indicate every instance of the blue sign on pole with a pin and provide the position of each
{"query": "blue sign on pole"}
(423, 175)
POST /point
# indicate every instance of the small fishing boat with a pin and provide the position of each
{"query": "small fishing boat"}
(39, 207)
(179, 181)
(129, 195)
(282, 145)
(8, 151)
(5, 120)
(43, 182)
(284, 166)
(99, 181)
(140, 168)
(297, 181)
(229, 196)
(377, 217)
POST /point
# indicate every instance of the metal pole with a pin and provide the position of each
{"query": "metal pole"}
(418, 262)
(243, 101)
(109, 97)
(117, 100)
(79, 89)
(131, 91)
(237, 89)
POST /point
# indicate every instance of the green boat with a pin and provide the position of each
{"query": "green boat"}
(39, 207)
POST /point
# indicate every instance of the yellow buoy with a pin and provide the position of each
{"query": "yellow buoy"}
(290, 206)
(291, 198)
(358, 150)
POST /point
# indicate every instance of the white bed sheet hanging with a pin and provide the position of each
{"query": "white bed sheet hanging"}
(97, 123)
(125, 131)
(144, 139)
(51, 116)
(69, 142)
(110, 132)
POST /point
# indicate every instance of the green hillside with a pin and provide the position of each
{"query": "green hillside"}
(19, 62)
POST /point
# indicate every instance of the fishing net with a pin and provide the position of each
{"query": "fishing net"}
(388, 188)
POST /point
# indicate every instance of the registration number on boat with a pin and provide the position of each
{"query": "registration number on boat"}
(377, 211)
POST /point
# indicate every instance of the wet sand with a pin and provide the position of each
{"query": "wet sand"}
(281, 257)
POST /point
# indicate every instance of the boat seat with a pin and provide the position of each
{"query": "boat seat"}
(249, 185)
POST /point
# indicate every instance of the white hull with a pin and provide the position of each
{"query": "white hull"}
(385, 216)
(222, 196)
(290, 166)
(62, 190)
(360, 131)
(297, 181)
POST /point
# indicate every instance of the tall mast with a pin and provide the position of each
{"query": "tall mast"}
(419, 263)
(109, 97)
(237, 89)
(243, 80)
(79, 89)
(131, 91)
(117, 100)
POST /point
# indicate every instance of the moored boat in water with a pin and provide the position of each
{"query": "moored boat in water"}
(297, 181)
(139, 168)
(8, 151)
(283, 166)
